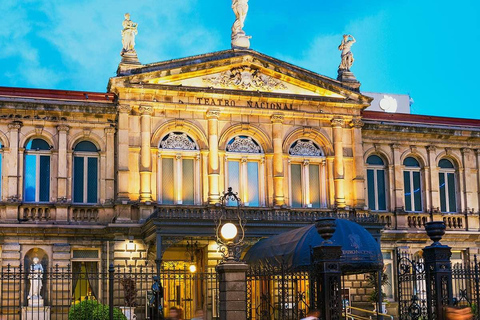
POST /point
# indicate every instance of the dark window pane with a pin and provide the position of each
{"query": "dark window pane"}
(314, 181)
(44, 187)
(411, 162)
(375, 160)
(407, 191)
(30, 177)
(296, 185)
(92, 183)
(167, 180)
(447, 164)
(417, 191)
(78, 177)
(452, 202)
(382, 201)
(188, 181)
(37, 144)
(443, 198)
(371, 190)
(86, 146)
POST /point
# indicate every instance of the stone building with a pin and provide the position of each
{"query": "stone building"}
(131, 176)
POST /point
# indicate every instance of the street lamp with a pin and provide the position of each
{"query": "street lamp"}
(229, 239)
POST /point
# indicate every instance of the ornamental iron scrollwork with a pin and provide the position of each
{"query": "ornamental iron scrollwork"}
(243, 144)
(304, 147)
(178, 141)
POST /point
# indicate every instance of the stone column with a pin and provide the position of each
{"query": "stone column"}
(13, 161)
(338, 169)
(278, 174)
(433, 198)
(359, 176)
(145, 153)
(110, 167)
(62, 175)
(398, 177)
(438, 272)
(232, 285)
(213, 162)
(123, 152)
(469, 165)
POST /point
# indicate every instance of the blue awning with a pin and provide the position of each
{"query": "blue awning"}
(292, 249)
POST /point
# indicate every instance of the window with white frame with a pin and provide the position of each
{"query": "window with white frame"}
(178, 170)
(307, 175)
(376, 187)
(85, 173)
(448, 191)
(388, 270)
(37, 171)
(412, 185)
(244, 170)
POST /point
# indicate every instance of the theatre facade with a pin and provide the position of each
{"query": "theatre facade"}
(134, 176)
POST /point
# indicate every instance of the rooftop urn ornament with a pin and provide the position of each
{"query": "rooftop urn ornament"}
(435, 231)
(129, 31)
(326, 228)
(344, 73)
(239, 39)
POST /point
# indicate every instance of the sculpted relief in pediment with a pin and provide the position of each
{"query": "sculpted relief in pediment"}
(244, 78)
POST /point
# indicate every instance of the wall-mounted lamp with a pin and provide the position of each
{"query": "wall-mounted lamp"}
(130, 245)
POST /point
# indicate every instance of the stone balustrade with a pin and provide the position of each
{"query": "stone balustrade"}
(37, 213)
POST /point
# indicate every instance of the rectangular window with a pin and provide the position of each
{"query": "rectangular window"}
(371, 189)
(314, 181)
(452, 202)
(407, 191)
(44, 182)
(443, 195)
(252, 181)
(30, 177)
(233, 178)
(188, 180)
(92, 180)
(78, 179)
(382, 199)
(417, 191)
(167, 181)
(296, 185)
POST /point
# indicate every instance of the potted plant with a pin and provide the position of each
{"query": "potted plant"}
(373, 297)
(130, 297)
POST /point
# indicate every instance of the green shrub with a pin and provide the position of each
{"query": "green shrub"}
(93, 310)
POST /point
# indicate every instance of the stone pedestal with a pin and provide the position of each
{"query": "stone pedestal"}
(36, 313)
(129, 61)
(232, 290)
(240, 41)
(348, 78)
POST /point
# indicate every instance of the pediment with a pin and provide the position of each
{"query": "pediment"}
(239, 70)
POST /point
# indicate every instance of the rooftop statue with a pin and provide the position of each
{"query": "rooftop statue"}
(128, 35)
(347, 55)
(239, 39)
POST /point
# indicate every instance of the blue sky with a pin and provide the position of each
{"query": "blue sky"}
(428, 49)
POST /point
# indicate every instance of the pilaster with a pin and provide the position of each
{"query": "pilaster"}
(359, 176)
(433, 197)
(278, 172)
(145, 154)
(338, 163)
(123, 151)
(213, 162)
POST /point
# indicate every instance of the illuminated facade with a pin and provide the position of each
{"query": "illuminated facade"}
(129, 176)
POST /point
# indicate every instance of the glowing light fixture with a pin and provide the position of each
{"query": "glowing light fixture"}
(228, 231)
(130, 245)
(192, 268)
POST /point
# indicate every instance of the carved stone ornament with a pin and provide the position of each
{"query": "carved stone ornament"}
(245, 78)
(213, 114)
(15, 125)
(357, 123)
(244, 145)
(145, 110)
(277, 118)
(305, 148)
(179, 141)
(337, 122)
(124, 108)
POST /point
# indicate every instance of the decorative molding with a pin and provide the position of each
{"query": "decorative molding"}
(357, 123)
(466, 150)
(376, 146)
(306, 162)
(179, 141)
(15, 125)
(87, 132)
(123, 108)
(63, 128)
(277, 118)
(431, 148)
(213, 114)
(245, 78)
(109, 130)
(305, 148)
(244, 144)
(38, 130)
(337, 122)
(448, 151)
(395, 146)
(413, 149)
(178, 156)
(145, 110)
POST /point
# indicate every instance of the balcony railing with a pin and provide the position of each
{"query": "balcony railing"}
(36, 213)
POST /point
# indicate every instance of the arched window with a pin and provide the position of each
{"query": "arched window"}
(178, 170)
(85, 173)
(244, 170)
(307, 175)
(1, 169)
(447, 186)
(376, 187)
(37, 171)
(412, 185)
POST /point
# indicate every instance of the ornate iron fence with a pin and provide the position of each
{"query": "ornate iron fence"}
(82, 291)
(466, 286)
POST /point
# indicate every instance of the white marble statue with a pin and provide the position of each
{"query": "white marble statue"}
(36, 278)
(347, 55)
(239, 39)
(128, 35)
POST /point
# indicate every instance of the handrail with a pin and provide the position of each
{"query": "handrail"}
(366, 311)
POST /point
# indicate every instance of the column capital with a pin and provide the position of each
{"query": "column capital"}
(466, 150)
(213, 114)
(357, 123)
(124, 108)
(431, 148)
(109, 130)
(395, 146)
(337, 122)
(277, 118)
(15, 125)
(145, 110)
(63, 128)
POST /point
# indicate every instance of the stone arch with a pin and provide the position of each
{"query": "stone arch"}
(248, 130)
(318, 136)
(80, 136)
(188, 127)
(4, 140)
(379, 152)
(32, 134)
(420, 158)
(457, 162)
